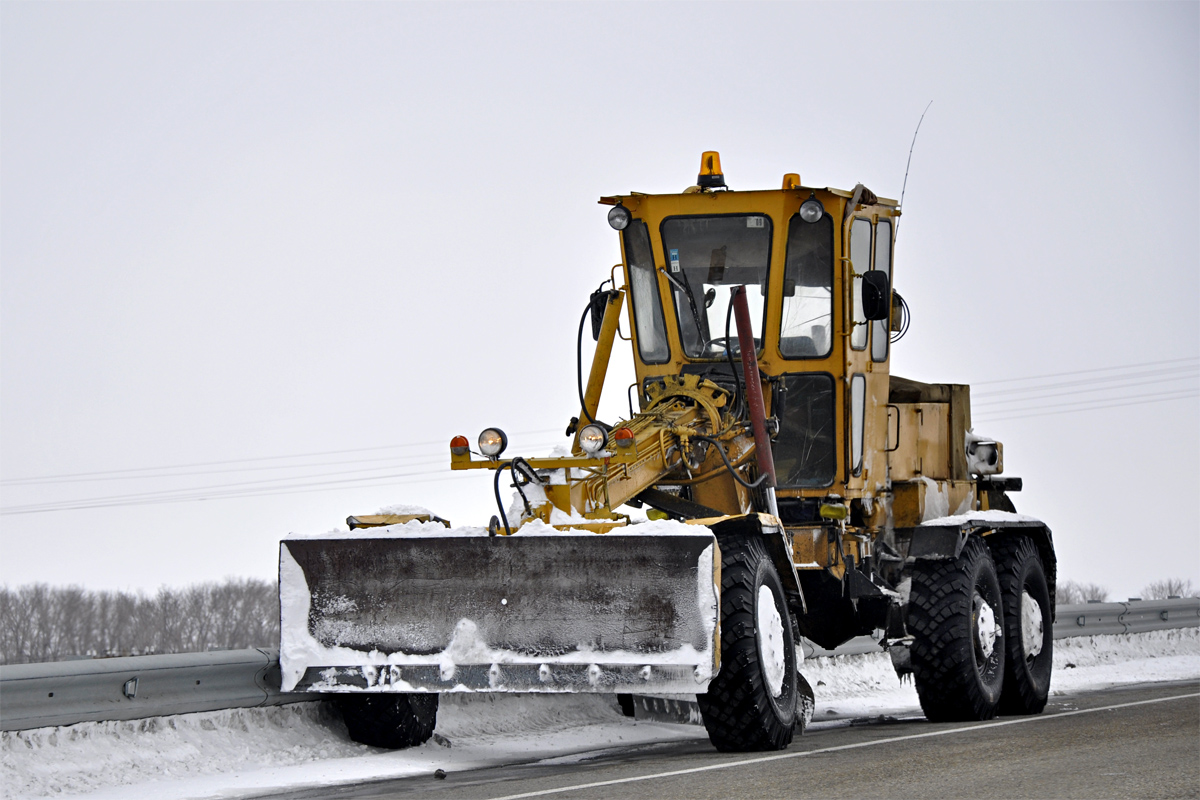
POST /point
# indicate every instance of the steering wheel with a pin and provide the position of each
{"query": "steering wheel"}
(730, 343)
(721, 343)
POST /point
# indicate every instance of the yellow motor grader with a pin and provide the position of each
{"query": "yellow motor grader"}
(789, 485)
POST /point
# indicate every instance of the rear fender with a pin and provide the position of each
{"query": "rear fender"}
(942, 542)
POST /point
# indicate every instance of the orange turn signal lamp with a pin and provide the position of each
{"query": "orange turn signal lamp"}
(623, 437)
(460, 446)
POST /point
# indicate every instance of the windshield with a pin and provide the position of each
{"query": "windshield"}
(706, 256)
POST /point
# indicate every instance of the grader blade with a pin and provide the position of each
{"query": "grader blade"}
(557, 612)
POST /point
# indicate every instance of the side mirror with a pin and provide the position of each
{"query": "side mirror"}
(598, 304)
(876, 295)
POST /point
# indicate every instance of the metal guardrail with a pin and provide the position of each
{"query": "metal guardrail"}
(91, 690)
(67, 692)
(1132, 616)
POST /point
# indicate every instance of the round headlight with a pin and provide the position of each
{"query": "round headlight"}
(812, 210)
(492, 442)
(618, 217)
(592, 439)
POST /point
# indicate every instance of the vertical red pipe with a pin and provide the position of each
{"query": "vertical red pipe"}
(754, 397)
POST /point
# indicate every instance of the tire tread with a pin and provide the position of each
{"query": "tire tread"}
(736, 711)
(939, 620)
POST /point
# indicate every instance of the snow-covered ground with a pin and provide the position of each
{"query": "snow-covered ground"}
(225, 754)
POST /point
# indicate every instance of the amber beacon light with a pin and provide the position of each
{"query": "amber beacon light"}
(710, 176)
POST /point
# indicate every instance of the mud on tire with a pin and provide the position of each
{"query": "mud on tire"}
(389, 720)
(1028, 631)
(959, 674)
(751, 704)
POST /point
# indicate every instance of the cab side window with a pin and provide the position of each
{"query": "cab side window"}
(860, 257)
(880, 329)
(648, 320)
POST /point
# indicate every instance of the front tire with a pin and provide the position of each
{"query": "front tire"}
(751, 703)
(389, 720)
(956, 617)
(1028, 630)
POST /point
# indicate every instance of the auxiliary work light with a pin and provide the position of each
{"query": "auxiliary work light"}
(812, 210)
(618, 217)
(592, 439)
(492, 442)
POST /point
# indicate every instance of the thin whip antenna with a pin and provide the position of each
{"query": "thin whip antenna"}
(904, 186)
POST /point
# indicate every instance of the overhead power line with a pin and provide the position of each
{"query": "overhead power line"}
(1193, 359)
(1112, 391)
(258, 488)
(1153, 376)
(82, 505)
(1018, 413)
(1015, 401)
(135, 472)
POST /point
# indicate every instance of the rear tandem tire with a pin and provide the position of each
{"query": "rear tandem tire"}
(959, 673)
(751, 703)
(389, 720)
(1028, 630)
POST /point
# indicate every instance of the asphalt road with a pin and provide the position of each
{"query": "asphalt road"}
(1137, 741)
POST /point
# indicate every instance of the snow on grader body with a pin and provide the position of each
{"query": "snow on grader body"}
(796, 487)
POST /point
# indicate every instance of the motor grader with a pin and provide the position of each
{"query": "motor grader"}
(789, 486)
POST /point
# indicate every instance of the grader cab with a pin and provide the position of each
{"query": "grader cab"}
(794, 488)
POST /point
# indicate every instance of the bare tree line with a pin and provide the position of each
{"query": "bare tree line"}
(1073, 592)
(43, 623)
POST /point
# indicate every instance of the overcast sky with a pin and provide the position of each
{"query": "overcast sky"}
(262, 248)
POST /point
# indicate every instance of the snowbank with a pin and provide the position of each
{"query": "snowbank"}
(224, 753)
(227, 753)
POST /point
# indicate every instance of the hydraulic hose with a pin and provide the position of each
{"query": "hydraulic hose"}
(729, 466)
(500, 505)
(519, 468)
(579, 362)
(737, 382)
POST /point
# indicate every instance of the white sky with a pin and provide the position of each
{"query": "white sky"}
(242, 231)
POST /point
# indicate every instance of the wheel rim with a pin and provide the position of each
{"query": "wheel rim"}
(770, 640)
(1033, 626)
(983, 619)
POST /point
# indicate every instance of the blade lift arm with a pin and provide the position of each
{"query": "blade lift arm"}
(684, 436)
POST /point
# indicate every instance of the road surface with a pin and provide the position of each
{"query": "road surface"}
(1133, 741)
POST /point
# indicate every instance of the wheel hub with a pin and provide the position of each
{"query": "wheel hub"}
(986, 630)
(1032, 626)
(770, 640)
